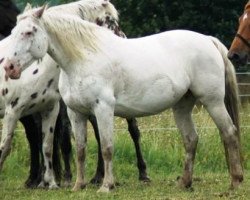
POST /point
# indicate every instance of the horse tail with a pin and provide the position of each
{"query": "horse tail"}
(231, 89)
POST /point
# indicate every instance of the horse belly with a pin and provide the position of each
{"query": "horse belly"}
(159, 96)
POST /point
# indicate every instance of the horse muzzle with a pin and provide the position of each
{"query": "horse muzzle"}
(12, 71)
(238, 58)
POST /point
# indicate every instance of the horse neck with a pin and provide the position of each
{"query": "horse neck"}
(77, 44)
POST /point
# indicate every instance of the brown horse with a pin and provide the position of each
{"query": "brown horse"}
(239, 52)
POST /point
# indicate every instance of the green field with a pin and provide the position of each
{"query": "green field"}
(163, 151)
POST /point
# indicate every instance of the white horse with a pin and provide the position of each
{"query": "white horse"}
(105, 75)
(37, 90)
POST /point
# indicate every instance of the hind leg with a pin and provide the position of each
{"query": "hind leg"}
(135, 135)
(218, 112)
(182, 114)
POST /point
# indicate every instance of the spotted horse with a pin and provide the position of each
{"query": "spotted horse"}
(44, 94)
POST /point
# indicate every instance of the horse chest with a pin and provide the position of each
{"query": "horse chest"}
(79, 93)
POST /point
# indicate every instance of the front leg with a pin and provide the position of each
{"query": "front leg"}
(9, 124)
(79, 127)
(104, 113)
(48, 125)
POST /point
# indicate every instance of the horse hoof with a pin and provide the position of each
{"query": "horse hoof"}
(105, 188)
(145, 179)
(183, 184)
(31, 183)
(234, 185)
(236, 182)
(78, 186)
(41, 185)
(53, 186)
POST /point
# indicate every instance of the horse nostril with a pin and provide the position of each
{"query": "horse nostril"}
(233, 56)
(11, 66)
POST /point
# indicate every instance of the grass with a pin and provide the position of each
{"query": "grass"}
(164, 153)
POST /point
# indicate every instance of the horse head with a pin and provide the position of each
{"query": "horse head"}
(28, 42)
(239, 52)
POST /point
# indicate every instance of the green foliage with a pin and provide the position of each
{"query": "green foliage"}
(218, 18)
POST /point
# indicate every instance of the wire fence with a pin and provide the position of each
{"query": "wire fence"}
(244, 94)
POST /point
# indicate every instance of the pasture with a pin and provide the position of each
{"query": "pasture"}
(163, 151)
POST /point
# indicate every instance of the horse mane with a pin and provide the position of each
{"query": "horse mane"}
(75, 34)
(89, 10)
(101, 12)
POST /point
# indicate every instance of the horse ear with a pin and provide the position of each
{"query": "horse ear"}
(27, 7)
(39, 12)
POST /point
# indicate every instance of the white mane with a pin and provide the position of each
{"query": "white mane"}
(75, 34)
(97, 11)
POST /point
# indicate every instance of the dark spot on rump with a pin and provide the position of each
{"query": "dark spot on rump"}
(35, 71)
(1, 60)
(44, 91)
(50, 82)
(50, 164)
(51, 129)
(11, 66)
(34, 95)
(97, 101)
(14, 103)
(32, 105)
